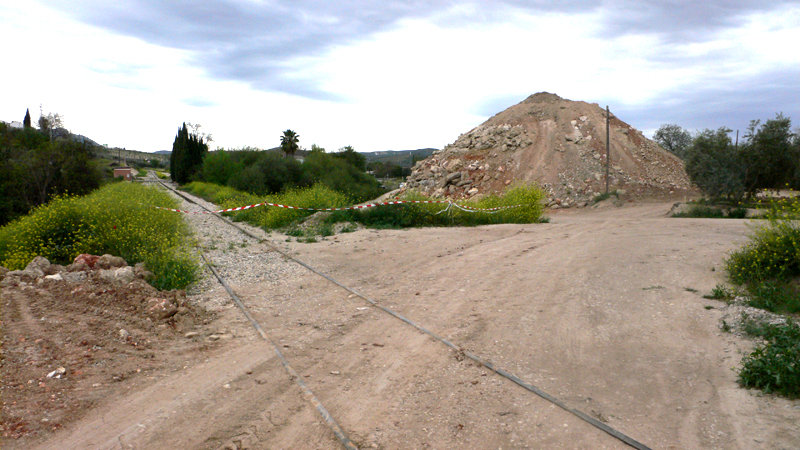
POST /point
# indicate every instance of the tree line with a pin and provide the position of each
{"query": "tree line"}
(264, 172)
(768, 157)
(38, 164)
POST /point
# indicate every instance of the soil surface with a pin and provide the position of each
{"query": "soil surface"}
(601, 308)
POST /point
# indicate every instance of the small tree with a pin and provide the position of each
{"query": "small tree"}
(674, 139)
(26, 122)
(290, 142)
(50, 122)
(769, 156)
(350, 155)
(714, 166)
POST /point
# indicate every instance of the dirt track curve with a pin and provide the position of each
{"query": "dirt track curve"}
(596, 308)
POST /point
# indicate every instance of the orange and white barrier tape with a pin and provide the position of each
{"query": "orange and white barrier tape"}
(369, 205)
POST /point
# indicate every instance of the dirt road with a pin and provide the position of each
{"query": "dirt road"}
(601, 308)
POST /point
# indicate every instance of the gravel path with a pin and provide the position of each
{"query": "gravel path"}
(239, 258)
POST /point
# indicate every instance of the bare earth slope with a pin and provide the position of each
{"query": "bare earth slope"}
(595, 308)
(557, 143)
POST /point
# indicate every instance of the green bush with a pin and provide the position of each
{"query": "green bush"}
(776, 296)
(113, 219)
(34, 169)
(339, 175)
(271, 217)
(774, 249)
(403, 215)
(769, 268)
(774, 366)
(269, 173)
(700, 211)
(523, 205)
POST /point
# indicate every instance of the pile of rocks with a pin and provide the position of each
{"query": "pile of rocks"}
(112, 269)
(87, 272)
(556, 143)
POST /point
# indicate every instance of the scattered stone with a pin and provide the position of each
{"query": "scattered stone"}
(160, 308)
(86, 260)
(110, 262)
(57, 373)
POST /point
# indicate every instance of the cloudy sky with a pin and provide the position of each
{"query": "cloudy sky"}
(392, 74)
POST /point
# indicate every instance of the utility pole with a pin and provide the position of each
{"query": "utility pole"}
(608, 144)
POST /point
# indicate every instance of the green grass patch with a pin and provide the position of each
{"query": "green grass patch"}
(393, 216)
(768, 268)
(773, 253)
(438, 214)
(774, 366)
(776, 296)
(712, 212)
(604, 196)
(721, 292)
(111, 220)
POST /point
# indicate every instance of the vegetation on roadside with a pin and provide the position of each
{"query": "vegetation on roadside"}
(114, 220)
(523, 205)
(767, 158)
(605, 196)
(519, 204)
(37, 166)
(268, 173)
(767, 270)
(774, 365)
(700, 211)
(769, 265)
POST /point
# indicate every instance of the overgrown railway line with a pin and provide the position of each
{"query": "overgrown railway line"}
(460, 353)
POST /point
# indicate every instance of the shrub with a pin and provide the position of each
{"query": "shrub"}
(111, 220)
(439, 214)
(720, 292)
(404, 215)
(774, 366)
(769, 267)
(700, 211)
(774, 249)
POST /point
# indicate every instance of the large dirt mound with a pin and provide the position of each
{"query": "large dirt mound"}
(558, 143)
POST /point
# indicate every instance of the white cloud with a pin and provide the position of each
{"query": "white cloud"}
(417, 83)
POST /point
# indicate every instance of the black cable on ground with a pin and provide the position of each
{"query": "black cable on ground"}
(583, 416)
(337, 430)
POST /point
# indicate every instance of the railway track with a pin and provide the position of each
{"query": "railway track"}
(459, 352)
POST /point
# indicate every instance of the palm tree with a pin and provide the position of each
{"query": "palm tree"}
(289, 142)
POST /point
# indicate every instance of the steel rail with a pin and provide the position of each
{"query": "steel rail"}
(489, 365)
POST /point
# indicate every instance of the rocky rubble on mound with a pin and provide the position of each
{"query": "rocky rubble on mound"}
(556, 143)
(106, 270)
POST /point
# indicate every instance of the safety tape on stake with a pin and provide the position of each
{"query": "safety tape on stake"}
(370, 205)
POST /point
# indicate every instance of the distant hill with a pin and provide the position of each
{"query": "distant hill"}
(163, 152)
(401, 158)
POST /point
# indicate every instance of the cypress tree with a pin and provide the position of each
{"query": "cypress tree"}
(26, 122)
(188, 152)
(177, 159)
